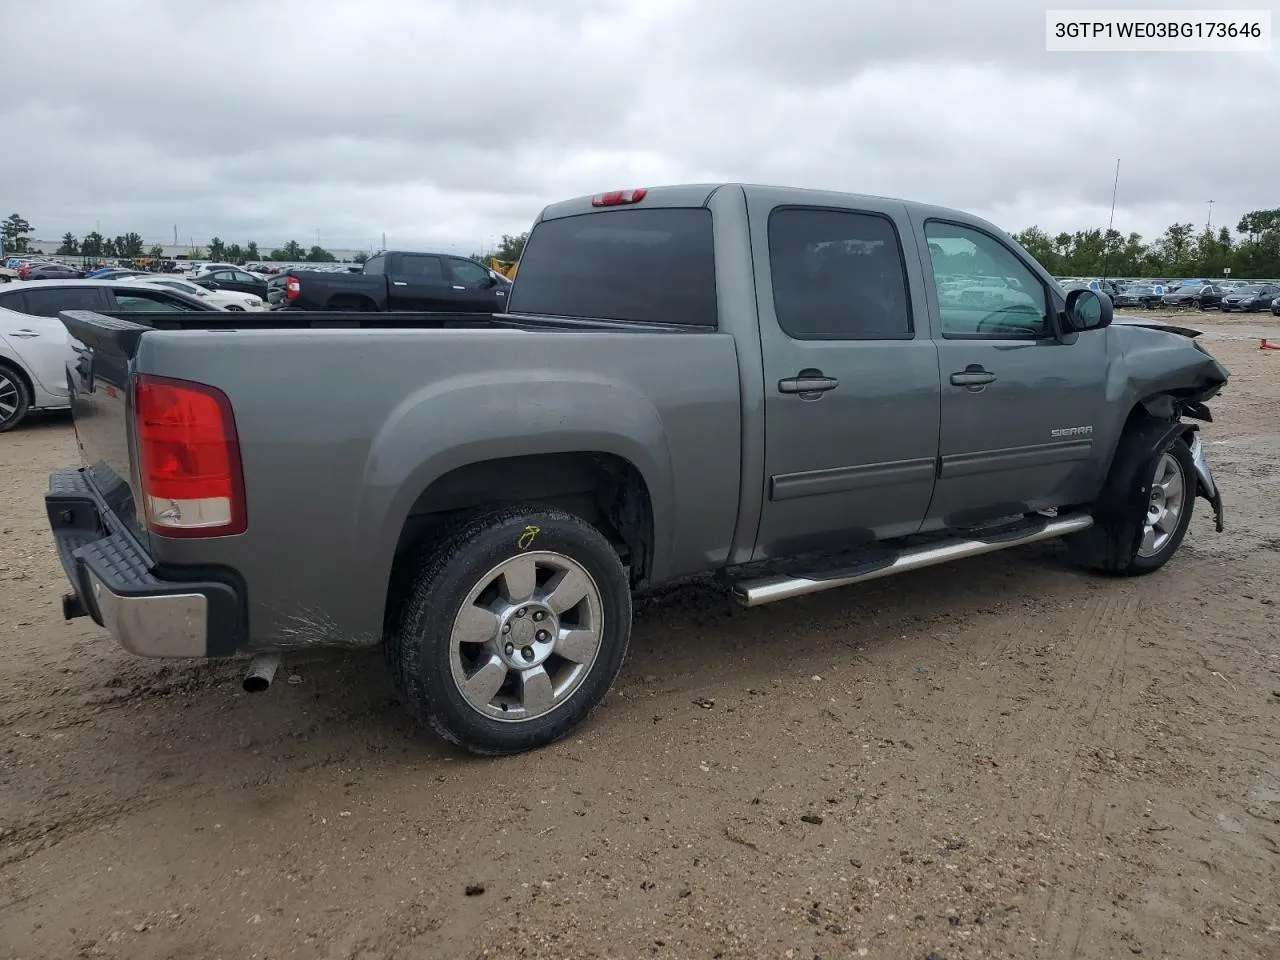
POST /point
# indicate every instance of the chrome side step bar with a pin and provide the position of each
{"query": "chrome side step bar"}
(753, 593)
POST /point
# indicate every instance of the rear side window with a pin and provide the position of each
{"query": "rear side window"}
(47, 303)
(837, 275)
(138, 302)
(419, 268)
(649, 266)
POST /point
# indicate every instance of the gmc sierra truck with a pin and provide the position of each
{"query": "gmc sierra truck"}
(795, 389)
(402, 282)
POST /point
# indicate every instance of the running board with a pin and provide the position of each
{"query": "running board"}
(753, 593)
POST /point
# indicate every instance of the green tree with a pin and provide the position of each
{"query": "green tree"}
(217, 249)
(156, 253)
(109, 248)
(251, 251)
(1037, 243)
(93, 245)
(235, 253)
(511, 247)
(15, 231)
(291, 252)
(129, 246)
(359, 257)
(318, 254)
(1176, 247)
(70, 246)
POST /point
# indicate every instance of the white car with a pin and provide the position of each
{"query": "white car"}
(227, 299)
(35, 347)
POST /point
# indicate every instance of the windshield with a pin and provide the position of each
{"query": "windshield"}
(1139, 289)
(1251, 288)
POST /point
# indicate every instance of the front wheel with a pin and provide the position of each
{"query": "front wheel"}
(1141, 544)
(516, 624)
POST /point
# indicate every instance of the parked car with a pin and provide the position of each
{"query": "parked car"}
(34, 342)
(227, 299)
(1250, 298)
(1139, 295)
(400, 281)
(1198, 297)
(233, 279)
(752, 380)
(1275, 306)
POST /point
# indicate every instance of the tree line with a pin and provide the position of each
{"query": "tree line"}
(1181, 251)
(130, 246)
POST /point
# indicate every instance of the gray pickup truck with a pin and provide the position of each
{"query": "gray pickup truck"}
(798, 390)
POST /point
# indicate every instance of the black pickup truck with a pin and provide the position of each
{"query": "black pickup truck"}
(400, 281)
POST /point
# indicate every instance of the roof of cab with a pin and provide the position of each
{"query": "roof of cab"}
(698, 194)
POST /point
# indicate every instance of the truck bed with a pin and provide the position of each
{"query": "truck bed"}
(286, 319)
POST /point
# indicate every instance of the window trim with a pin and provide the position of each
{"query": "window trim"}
(28, 311)
(1051, 331)
(902, 257)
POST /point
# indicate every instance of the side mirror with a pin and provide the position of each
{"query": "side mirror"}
(491, 280)
(1087, 310)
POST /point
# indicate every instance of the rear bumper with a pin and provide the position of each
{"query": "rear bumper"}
(115, 583)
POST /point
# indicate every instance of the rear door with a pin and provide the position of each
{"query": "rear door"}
(474, 288)
(851, 376)
(418, 281)
(1019, 405)
(36, 334)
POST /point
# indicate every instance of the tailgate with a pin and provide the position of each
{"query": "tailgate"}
(98, 377)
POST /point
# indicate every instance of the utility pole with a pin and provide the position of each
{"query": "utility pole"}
(1208, 224)
(1106, 245)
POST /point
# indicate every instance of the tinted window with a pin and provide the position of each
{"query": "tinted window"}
(468, 272)
(655, 266)
(244, 277)
(138, 302)
(419, 267)
(47, 303)
(837, 276)
(11, 300)
(375, 266)
(984, 290)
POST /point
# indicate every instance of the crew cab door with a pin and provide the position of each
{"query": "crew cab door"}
(416, 281)
(474, 288)
(851, 376)
(1021, 406)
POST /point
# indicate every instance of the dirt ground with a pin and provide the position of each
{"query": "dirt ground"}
(1000, 758)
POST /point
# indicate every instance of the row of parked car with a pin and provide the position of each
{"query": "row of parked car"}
(1246, 296)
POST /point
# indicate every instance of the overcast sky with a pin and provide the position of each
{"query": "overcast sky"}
(445, 124)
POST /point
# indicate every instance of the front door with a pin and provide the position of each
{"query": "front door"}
(1019, 404)
(473, 287)
(851, 378)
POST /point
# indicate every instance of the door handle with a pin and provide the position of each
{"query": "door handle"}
(458, 286)
(973, 376)
(808, 382)
(399, 283)
(24, 334)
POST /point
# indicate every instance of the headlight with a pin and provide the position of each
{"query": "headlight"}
(254, 302)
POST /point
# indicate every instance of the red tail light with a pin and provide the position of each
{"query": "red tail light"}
(188, 458)
(615, 198)
(292, 287)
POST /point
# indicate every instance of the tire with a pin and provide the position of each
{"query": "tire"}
(465, 674)
(14, 398)
(1136, 545)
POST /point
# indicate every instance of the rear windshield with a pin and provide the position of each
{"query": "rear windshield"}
(650, 266)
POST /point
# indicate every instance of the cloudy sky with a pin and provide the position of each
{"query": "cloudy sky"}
(446, 124)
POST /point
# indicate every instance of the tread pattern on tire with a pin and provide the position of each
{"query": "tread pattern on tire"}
(404, 654)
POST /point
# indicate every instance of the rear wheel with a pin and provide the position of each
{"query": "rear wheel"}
(516, 624)
(13, 398)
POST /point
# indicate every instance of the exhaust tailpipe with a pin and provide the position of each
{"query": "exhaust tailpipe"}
(261, 672)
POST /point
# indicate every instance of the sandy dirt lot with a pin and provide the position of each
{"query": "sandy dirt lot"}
(1001, 758)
